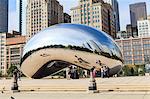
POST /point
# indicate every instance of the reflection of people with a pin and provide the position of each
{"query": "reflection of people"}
(99, 62)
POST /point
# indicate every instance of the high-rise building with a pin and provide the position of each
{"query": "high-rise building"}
(137, 11)
(135, 50)
(42, 14)
(144, 28)
(95, 13)
(115, 6)
(21, 15)
(131, 31)
(3, 15)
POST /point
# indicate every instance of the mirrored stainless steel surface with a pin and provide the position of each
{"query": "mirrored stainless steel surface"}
(66, 44)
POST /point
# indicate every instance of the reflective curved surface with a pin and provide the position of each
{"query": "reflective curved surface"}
(58, 46)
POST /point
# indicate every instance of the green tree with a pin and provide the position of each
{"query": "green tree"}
(10, 70)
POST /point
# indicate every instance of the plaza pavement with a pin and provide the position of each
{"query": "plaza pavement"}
(66, 95)
(119, 84)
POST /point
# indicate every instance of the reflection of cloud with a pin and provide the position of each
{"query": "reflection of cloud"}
(106, 49)
(12, 21)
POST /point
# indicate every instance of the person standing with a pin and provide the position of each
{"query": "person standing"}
(102, 72)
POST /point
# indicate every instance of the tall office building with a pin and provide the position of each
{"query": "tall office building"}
(21, 15)
(138, 11)
(95, 13)
(42, 14)
(3, 15)
(115, 6)
(131, 31)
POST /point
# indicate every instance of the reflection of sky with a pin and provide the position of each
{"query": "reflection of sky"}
(68, 34)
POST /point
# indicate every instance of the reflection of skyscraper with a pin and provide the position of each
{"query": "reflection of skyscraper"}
(3, 15)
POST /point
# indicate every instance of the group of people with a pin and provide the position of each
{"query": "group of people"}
(73, 73)
(105, 71)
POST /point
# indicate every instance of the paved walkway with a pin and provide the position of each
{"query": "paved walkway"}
(104, 95)
(122, 84)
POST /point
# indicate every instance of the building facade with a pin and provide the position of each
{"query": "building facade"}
(42, 14)
(144, 28)
(135, 50)
(14, 49)
(115, 6)
(138, 11)
(95, 13)
(11, 48)
(3, 53)
(3, 16)
(122, 34)
(21, 15)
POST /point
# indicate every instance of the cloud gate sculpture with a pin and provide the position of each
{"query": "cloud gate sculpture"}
(59, 46)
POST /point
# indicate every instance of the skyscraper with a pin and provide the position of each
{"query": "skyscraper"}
(115, 6)
(95, 13)
(42, 14)
(137, 12)
(3, 15)
(21, 15)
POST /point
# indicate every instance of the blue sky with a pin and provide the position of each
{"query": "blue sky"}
(123, 7)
